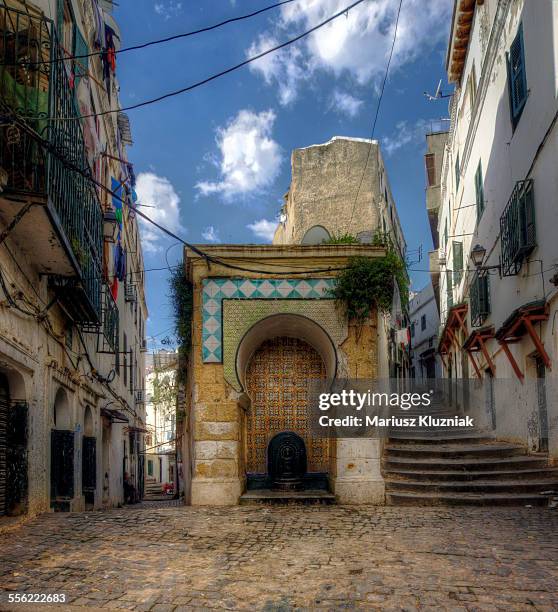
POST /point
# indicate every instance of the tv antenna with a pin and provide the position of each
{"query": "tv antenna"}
(439, 95)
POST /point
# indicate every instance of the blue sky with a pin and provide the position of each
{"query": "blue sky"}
(215, 161)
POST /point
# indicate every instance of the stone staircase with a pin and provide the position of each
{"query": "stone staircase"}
(462, 467)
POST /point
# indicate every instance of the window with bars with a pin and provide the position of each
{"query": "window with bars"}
(517, 77)
(518, 234)
(479, 191)
(479, 297)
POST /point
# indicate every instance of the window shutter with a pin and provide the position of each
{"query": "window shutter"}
(457, 261)
(528, 217)
(517, 73)
(479, 190)
(484, 303)
(457, 172)
(449, 288)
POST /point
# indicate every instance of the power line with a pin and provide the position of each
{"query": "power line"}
(378, 107)
(157, 41)
(214, 76)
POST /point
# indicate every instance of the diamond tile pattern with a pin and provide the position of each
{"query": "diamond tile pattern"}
(215, 290)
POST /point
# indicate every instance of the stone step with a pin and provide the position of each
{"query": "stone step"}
(466, 475)
(268, 496)
(475, 463)
(436, 437)
(535, 485)
(428, 498)
(449, 450)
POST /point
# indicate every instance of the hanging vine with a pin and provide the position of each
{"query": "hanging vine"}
(369, 282)
(181, 294)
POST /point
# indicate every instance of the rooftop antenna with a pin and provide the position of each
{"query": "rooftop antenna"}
(439, 95)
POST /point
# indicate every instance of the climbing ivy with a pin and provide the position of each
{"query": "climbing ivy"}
(181, 294)
(369, 282)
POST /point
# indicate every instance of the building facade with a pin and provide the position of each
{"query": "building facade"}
(498, 258)
(72, 309)
(424, 327)
(160, 420)
(341, 189)
(265, 324)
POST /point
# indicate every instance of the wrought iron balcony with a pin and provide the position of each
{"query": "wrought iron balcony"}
(517, 228)
(65, 219)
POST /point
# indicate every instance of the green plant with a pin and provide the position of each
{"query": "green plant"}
(345, 238)
(181, 294)
(369, 282)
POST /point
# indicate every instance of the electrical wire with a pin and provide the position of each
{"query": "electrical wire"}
(157, 41)
(212, 77)
(378, 108)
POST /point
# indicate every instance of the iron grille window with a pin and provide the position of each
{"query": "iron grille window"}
(517, 228)
(517, 80)
(479, 191)
(479, 296)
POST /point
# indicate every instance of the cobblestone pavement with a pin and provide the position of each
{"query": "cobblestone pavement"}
(284, 558)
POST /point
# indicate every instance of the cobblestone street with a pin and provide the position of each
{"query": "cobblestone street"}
(180, 558)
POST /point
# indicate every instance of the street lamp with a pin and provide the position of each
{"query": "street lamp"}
(110, 226)
(478, 255)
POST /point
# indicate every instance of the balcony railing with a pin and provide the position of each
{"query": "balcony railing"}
(41, 95)
(517, 228)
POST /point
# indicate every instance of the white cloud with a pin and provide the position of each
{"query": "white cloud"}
(284, 67)
(249, 159)
(168, 9)
(263, 229)
(211, 234)
(405, 134)
(157, 191)
(343, 103)
(356, 45)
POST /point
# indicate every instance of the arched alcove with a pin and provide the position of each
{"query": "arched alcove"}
(290, 326)
(62, 417)
(88, 422)
(316, 235)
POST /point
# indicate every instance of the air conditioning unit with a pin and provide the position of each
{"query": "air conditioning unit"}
(140, 396)
(131, 294)
(442, 257)
(143, 345)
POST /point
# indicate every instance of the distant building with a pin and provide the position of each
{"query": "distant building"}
(160, 420)
(424, 325)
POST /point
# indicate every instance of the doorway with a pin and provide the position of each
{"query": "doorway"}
(541, 404)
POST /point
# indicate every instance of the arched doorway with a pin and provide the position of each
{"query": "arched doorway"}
(276, 381)
(89, 458)
(13, 444)
(61, 453)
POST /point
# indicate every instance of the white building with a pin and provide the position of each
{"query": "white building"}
(160, 419)
(499, 191)
(424, 324)
(72, 303)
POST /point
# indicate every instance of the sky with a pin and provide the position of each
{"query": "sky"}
(213, 164)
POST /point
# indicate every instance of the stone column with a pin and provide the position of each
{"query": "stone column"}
(357, 477)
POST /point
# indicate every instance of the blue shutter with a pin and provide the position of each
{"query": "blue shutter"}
(518, 76)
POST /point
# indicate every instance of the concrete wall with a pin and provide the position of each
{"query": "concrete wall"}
(482, 132)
